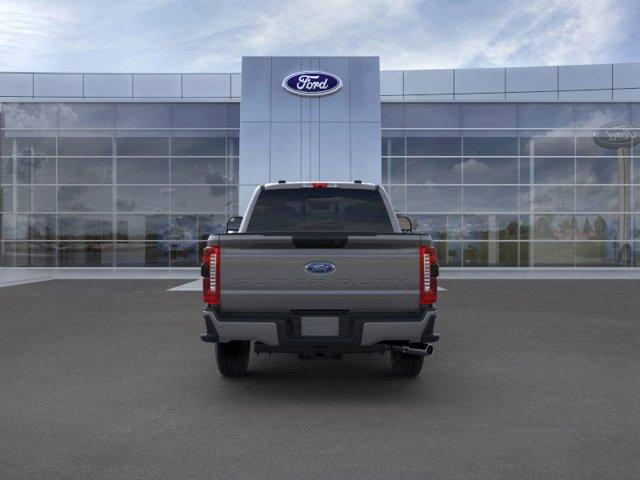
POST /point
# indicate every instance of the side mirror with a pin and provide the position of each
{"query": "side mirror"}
(405, 223)
(233, 224)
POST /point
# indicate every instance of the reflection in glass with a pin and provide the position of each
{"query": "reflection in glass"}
(142, 198)
(554, 199)
(433, 143)
(36, 227)
(489, 144)
(37, 198)
(36, 170)
(392, 115)
(393, 171)
(199, 170)
(553, 170)
(211, 144)
(392, 143)
(490, 227)
(434, 170)
(603, 170)
(449, 253)
(490, 115)
(37, 254)
(602, 226)
(432, 115)
(490, 170)
(554, 227)
(85, 254)
(142, 254)
(434, 199)
(146, 146)
(398, 196)
(490, 254)
(142, 170)
(142, 227)
(93, 146)
(85, 227)
(142, 115)
(553, 254)
(85, 170)
(490, 199)
(32, 146)
(603, 198)
(85, 199)
(84, 115)
(546, 144)
(603, 254)
(199, 115)
(440, 227)
(545, 115)
(211, 199)
(30, 115)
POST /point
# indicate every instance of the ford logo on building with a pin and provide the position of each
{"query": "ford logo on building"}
(312, 83)
(616, 135)
(319, 267)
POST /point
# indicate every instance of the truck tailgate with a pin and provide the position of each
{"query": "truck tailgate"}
(265, 273)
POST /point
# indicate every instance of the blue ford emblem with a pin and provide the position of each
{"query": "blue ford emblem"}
(312, 84)
(319, 267)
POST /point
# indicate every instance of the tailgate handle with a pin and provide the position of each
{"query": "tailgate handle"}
(319, 241)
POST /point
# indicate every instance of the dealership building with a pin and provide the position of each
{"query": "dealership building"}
(527, 167)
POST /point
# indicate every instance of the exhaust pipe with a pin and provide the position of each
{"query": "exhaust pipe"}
(424, 352)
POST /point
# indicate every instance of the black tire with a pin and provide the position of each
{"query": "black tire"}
(405, 365)
(233, 358)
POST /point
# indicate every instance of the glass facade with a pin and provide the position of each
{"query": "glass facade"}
(115, 184)
(515, 184)
(130, 184)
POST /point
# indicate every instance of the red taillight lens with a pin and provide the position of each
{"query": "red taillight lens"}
(428, 275)
(320, 185)
(211, 283)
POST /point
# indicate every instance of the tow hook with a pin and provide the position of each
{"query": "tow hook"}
(424, 352)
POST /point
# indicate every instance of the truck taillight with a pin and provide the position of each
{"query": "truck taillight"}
(429, 271)
(211, 275)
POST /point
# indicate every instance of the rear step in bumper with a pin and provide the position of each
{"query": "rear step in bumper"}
(373, 332)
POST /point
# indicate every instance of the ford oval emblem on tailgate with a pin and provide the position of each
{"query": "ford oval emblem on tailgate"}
(319, 267)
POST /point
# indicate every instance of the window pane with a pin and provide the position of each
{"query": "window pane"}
(142, 170)
(554, 227)
(603, 227)
(432, 115)
(553, 254)
(85, 254)
(434, 170)
(93, 115)
(185, 254)
(32, 146)
(199, 170)
(233, 143)
(392, 143)
(37, 254)
(392, 115)
(490, 227)
(449, 253)
(37, 199)
(199, 115)
(585, 145)
(199, 199)
(636, 170)
(491, 254)
(598, 114)
(545, 115)
(142, 115)
(546, 144)
(440, 227)
(490, 199)
(143, 199)
(233, 115)
(35, 227)
(475, 143)
(397, 195)
(554, 199)
(91, 146)
(441, 143)
(141, 254)
(393, 170)
(213, 144)
(143, 146)
(553, 170)
(36, 170)
(602, 170)
(85, 199)
(434, 199)
(490, 170)
(6, 199)
(85, 170)
(85, 227)
(603, 254)
(602, 199)
(6, 170)
(142, 227)
(30, 115)
(488, 115)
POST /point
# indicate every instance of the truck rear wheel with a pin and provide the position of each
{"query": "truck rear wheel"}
(406, 365)
(233, 358)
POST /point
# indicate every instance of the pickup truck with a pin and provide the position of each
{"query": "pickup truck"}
(320, 269)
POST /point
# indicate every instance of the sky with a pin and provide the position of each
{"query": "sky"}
(212, 36)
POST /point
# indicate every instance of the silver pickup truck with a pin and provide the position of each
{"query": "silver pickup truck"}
(320, 269)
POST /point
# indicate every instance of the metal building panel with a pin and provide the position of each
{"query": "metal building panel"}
(586, 95)
(391, 82)
(334, 151)
(364, 82)
(255, 148)
(157, 85)
(57, 85)
(626, 75)
(479, 80)
(236, 85)
(585, 77)
(285, 106)
(16, 84)
(335, 107)
(108, 85)
(285, 151)
(532, 79)
(365, 153)
(427, 82)
(204, 85)
(256, 90)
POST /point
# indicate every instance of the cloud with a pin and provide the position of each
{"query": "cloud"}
(166, 35)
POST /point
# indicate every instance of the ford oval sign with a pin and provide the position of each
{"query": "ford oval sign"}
(319, 267)
(312, 83)
(617, 135)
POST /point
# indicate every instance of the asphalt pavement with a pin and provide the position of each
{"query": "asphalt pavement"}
(532, 379)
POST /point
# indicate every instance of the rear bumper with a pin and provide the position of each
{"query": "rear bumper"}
(364, 330)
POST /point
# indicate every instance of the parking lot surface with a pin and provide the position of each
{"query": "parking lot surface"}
(532, 379)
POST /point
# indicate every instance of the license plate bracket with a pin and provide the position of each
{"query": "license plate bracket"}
(319, 324)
